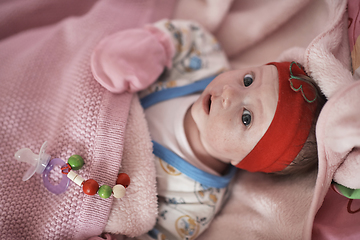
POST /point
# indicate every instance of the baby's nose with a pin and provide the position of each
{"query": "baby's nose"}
(227, 95)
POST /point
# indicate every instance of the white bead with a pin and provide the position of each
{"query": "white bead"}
(71, 175)
(119, 191)
(79, 180)
(75, 178)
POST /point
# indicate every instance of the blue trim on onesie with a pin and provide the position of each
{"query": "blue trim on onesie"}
(174, 92)
(191, 171)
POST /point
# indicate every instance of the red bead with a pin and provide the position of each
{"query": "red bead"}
(90, 187)
(123, 179)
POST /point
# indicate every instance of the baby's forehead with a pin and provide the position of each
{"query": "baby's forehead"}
(254, 69)
(250, 67)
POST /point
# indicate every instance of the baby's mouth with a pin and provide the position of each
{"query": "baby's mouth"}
(207, 104)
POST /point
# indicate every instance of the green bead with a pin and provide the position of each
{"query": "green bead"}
(105, 191)
(76, 162)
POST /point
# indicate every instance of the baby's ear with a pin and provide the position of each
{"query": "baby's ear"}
(235, 162)
(131, 60)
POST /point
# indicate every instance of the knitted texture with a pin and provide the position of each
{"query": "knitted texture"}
(47, 93)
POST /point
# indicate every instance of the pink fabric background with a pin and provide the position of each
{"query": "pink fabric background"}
(47, 92)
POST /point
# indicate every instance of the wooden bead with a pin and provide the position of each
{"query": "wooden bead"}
(76, 162)
(119, 191)
(105, 191)
(75, 178)
(123, 179)
(90, 187)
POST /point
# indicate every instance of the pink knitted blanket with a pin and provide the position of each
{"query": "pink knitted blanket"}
(47, 93)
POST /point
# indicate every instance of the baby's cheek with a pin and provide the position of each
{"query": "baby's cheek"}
(211, 138)
(218, 141)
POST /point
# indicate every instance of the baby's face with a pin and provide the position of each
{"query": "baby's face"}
(235, 110)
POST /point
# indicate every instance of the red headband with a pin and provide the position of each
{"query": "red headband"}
(290, 126)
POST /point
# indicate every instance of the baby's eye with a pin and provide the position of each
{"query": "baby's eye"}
(248, 80)
(246, 117)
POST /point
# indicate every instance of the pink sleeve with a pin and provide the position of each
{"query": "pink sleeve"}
(131, 60)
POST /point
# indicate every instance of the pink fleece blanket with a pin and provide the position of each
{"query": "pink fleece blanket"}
(47, 93)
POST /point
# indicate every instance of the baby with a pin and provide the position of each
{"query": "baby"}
(204, 119)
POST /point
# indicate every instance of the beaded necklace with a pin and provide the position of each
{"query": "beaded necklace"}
(90, 186)
(42, 164)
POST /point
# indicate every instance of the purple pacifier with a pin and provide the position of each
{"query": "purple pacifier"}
(41, 164)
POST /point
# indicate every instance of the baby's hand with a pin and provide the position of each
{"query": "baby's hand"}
(131, 60)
